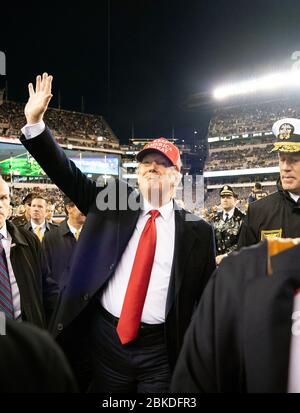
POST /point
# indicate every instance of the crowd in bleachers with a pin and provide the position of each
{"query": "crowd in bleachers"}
(52, 194)
(242, 157)
(248, 119)
(78, 129)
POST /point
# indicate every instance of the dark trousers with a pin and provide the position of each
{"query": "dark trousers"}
(140, 366)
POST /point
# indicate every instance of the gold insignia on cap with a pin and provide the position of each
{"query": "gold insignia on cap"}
(285, 131)
(225, 188)
(286, 147)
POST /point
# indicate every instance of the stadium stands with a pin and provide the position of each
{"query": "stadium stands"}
(252, 118)
(242, 157)
(51, 193)
(240, 138)
(74, 128)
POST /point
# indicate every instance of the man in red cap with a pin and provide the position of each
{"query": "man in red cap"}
(159, 184)
(137, 273)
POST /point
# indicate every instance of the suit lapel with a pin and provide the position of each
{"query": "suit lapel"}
(267, 320)
(126, 225)
(185, 238)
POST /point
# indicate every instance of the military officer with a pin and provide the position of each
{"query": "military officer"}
(227, 223)
(278, 214)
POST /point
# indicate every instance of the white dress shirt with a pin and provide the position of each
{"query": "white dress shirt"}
(229, 213)
(295, 197)
(32, 131)
(73, 229)
(294, 362)
(156, 298)
(34, 227)
(7, 245)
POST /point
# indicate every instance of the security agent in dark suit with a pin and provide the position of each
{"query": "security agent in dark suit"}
(60, 243)
(99, 277)
(28, 293)
(31, 361)
(244, 337)
(59, 246)
(38, 223)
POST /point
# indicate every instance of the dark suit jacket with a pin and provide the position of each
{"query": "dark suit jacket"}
(31, 362)
(103, 240)
(37, 291)
(239, 340)
(59, 245)
(49, 227)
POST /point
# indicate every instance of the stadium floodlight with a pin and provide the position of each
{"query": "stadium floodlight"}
(269, 82)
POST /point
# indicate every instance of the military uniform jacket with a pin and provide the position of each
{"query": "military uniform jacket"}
(276, 215)
(227, 233)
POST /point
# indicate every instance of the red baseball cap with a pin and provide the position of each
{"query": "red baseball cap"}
(165, 147)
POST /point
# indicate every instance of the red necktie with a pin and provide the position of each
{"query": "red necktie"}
(135, 296)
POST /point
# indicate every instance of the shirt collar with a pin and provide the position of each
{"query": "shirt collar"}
(73, 229)
(230, 213)
(165, 211)
(295, 197)
(3, 231)
(34, 226)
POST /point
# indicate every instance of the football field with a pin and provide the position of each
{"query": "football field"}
(21, 165)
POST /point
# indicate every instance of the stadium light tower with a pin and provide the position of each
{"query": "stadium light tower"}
(269, 82)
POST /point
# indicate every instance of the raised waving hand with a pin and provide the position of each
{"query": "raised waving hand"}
(39, 98)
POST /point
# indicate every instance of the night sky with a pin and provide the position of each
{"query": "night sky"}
(141, 61)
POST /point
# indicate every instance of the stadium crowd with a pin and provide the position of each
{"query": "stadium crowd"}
(78, 129)
(252, 118)
(241, 157)
(52, 194)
